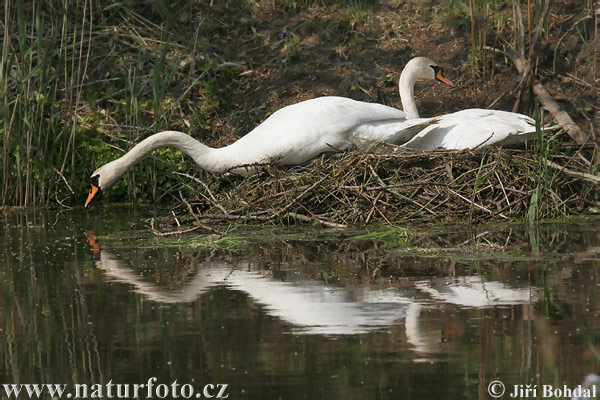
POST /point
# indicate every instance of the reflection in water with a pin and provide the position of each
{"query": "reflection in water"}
(473, 291)
(309, 306)
(312, 307)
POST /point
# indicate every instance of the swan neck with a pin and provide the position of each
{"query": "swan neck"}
(179, 140)
(407, 91)
(202, 154)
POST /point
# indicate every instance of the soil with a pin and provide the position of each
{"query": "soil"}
(286, 54)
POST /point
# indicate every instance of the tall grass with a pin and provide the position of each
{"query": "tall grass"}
(60, 82)
(517, 26)
(544, 201)
(45, 56)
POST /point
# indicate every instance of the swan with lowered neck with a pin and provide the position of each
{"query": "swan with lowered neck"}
(302, 131)
(465, 129)
(291, 136)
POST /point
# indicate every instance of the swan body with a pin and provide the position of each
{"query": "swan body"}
(465, 129)
(292, 135)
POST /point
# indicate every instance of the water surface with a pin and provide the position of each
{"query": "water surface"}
(298, 313)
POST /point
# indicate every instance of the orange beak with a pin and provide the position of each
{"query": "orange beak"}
(92, 194)
(440, 76)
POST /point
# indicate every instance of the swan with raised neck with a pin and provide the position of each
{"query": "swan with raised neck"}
(465, 129)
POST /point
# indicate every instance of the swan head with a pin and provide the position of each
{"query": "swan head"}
(426, 68)
(415, 69)
(101, 179)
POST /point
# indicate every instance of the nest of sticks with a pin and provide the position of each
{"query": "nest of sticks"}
(386, 186)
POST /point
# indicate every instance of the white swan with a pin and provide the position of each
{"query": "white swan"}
(465, 129)
(474, 128)
(292, 135)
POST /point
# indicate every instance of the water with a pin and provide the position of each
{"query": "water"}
(297, 313)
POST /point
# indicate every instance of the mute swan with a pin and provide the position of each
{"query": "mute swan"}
(291, 136)
(465, 129)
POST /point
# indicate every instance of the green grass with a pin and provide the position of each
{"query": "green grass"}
(544, 202)
(391, 236)
(225, 242)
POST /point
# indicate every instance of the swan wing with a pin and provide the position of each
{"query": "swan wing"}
(474, 128)
(390, 131)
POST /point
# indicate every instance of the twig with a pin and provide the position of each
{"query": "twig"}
(290, 204)
(502, 187)
(264, 218)
(304, 218)
(179, 232)
(538, 29)
(61, 176)
(581, 175)
(212, 197)
(206, 227)
(474, 204)
(383, 185)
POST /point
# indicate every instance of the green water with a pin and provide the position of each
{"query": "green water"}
(87, 297)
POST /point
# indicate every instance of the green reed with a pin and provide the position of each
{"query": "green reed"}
(544, 201)
(42, 68)
(62, 85)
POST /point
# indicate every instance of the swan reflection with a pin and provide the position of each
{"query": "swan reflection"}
(314, 307)
(309, 306)
(473, 291)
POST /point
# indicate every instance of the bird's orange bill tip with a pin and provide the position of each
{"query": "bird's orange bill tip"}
(91, 195)
(442, 78)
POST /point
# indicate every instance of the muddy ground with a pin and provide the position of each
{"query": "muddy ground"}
(287, 53)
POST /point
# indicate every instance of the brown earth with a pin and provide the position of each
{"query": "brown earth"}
(289, 54)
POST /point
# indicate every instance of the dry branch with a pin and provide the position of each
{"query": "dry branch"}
(562, 117)
(523, 65)
(581, 175)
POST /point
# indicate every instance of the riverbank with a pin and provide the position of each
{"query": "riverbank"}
(90, 82)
